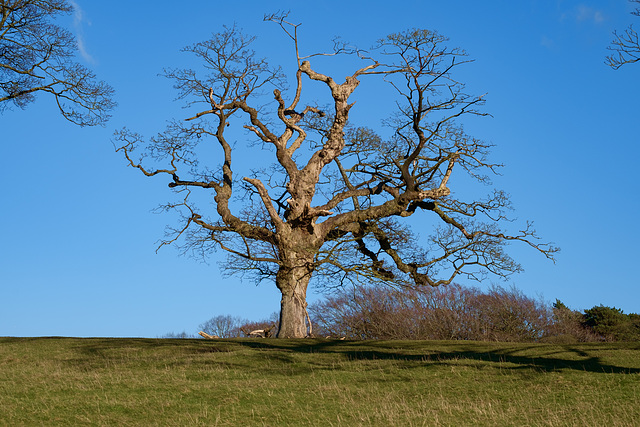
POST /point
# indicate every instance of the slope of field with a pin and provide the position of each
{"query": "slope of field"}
(111, 381)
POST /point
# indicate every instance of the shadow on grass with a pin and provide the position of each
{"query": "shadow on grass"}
(94, 352)
(99, 352)
(541, 358)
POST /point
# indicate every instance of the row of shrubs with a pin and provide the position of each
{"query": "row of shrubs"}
(455, 312)
(452, 312)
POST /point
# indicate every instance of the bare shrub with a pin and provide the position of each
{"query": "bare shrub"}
(568, 326)
(270, 325)
(444, 313)
(382, 312)
(365, 313)
(450, 312)
(509, 315)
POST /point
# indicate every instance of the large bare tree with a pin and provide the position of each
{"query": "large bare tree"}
(625, 46)
(331, 200)
(37, 56)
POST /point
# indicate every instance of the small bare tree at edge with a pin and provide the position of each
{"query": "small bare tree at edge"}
(625, 47)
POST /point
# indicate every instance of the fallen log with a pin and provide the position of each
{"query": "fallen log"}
(207, 336)
(258, 333)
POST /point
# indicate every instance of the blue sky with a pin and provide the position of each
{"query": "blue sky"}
(78, 235)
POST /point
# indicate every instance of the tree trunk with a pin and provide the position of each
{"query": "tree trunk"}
(293, 316)
(292, 282)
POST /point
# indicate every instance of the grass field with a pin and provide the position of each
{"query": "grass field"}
(127, 382)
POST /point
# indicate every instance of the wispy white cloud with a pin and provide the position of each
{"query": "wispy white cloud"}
(586, 13)
(79, 21)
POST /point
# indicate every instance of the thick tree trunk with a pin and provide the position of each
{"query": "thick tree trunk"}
(292, 282)
(293, 316)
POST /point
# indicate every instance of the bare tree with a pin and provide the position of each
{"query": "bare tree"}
(332, 204)
(36, 56)
(222, 326)
(625, 46)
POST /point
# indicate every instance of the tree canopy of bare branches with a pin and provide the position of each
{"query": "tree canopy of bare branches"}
(331, 200)
(625, 46)
(36, 56)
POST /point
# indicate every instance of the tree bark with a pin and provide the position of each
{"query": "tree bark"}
(292, 279)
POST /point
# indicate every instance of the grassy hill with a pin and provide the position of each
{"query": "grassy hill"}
(126, 382)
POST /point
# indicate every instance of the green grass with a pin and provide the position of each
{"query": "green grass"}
(100, 381)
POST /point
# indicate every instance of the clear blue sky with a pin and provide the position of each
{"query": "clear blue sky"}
(78, 235)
